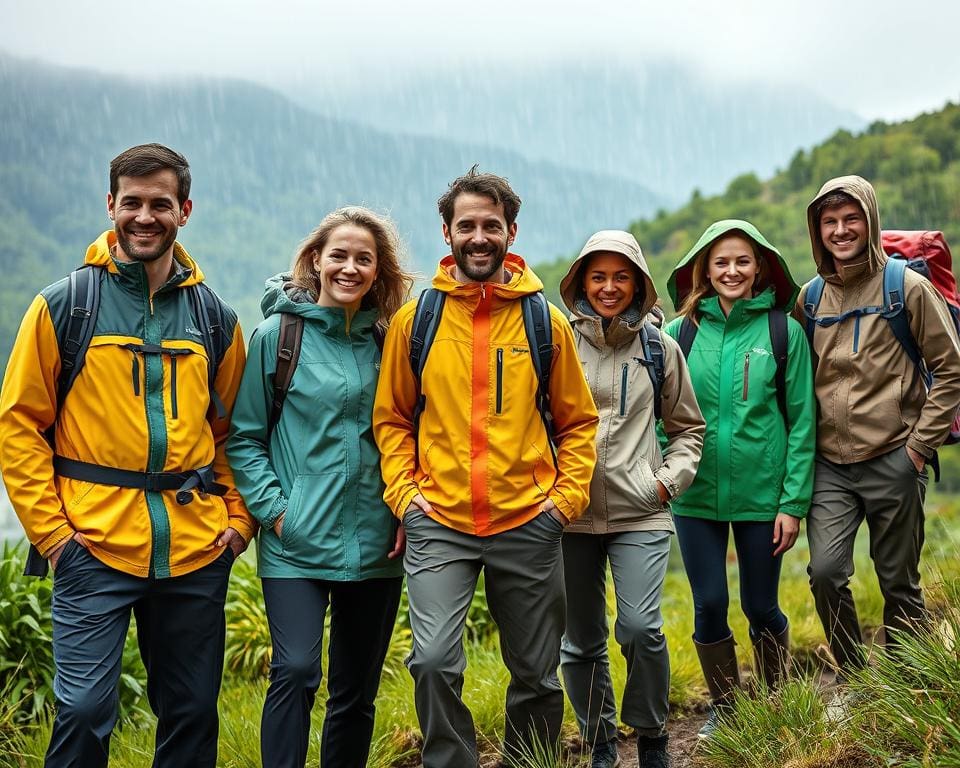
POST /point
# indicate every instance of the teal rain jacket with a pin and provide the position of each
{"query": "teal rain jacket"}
(321, 466)
(752, 467)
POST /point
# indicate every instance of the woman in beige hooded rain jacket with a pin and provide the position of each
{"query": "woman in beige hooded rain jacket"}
(609, 293)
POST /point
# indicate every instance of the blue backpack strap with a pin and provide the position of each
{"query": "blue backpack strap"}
(777, 321)
(653, 361)
(539, 331)
(426, 319)
(895, 312)
(811, 300)
(688, 332)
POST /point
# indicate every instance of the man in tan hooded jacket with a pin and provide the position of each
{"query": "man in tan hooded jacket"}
(878, 426)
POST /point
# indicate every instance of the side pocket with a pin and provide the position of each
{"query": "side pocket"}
(291, 518)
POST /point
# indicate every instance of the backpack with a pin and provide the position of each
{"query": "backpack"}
(926, 253)
(288, 355)
(73, 341)
(777, 323)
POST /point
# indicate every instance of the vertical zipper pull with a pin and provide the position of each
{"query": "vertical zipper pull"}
(173, 386)
(856, 334)
(499, 381)
(623, 390)
(746, 376)
(136, 374)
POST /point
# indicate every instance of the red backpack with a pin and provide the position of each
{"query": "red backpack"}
(928, 254)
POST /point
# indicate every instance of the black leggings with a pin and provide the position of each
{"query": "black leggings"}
(361, 623)
(703, 544)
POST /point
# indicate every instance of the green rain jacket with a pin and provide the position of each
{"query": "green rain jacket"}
(752, 467)
(321, 466)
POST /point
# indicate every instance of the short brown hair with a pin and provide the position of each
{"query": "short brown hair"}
(392, 285)
(833, 200)
(144, 159)
(489, 185)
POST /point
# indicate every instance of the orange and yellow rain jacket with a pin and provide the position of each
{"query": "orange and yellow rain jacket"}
(482, 458)
(126, 410)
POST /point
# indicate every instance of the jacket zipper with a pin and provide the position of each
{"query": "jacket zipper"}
(623, 390)
(746, 376)
(136, 374)
(173, 386)
(499, 381)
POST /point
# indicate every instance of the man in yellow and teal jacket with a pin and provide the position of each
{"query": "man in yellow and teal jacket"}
(121, 481)
(475, 482)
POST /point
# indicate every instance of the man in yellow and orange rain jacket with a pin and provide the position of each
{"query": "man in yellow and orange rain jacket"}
(97, 501)
(477, 487)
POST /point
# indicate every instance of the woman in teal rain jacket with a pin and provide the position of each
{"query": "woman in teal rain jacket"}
(313, 482)
(756, 472)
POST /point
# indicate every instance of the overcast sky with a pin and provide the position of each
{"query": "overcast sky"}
(880, 58)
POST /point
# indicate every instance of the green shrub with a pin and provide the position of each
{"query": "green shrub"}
(248, 648)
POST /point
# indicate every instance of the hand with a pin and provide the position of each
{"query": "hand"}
(662, 492)
(278, 525)
(785, 530)
(54, 557)
(232, 538)
(918, 459)
(419, 502)
(399, 545)
(556, 514)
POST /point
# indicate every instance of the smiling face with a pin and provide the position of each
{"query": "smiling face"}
(732, 269)
(844, 231)
(610, 283)
(346, 266)
(147, 215)
(479, 237)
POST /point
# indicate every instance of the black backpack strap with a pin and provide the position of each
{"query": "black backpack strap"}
(426, 320)
(539, 330)
(777, 320)
(288, 355)
(688, 332)
(379, 334)
(653, 356)
(208, 312)
(84, 305)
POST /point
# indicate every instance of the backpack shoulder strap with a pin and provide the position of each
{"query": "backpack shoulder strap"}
(777, 320)
(288, 354)
(84, 305)
(688, 332)
(652, 342)
(426, 320)
(811, 300)
(208, 312)
(539, 331)
(894, 310)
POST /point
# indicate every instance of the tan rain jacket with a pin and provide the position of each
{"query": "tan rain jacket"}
(871, 398)
(623, 492)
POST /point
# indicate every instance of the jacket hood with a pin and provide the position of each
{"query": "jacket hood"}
(862, 191)
(523, 280)
(280, 295)
(613, 241)
(680, 282)
(99, 255)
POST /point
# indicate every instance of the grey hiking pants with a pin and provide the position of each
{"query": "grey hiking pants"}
(638, 562)
(523, 574)
(888, 492)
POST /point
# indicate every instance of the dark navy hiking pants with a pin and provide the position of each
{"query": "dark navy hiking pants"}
(703, 544)
(180, 629)
(362, 614)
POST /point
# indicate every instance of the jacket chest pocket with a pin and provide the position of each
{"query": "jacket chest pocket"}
(756, 378)
(634, 390)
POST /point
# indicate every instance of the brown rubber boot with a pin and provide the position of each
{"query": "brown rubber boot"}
(719, 664)
(771, 655)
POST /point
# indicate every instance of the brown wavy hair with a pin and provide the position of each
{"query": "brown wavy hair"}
(702, 287)
(393, 283)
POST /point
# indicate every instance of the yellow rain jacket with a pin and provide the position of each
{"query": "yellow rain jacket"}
(482, 459)
(126, 410)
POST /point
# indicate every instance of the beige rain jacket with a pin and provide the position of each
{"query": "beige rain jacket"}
(623, 492)
(871, 398)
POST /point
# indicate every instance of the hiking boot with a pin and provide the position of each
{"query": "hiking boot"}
(652, 751)
(719, 663)
(605, 755)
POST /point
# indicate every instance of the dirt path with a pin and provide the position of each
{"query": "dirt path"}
(683, 741)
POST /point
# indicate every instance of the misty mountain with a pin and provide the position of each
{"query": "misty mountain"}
(265, 171)
(660, 124)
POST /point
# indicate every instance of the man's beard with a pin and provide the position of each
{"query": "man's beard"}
(461, 256)
(136, 253)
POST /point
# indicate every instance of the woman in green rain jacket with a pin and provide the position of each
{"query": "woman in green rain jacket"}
(313, 482)
(756, 471)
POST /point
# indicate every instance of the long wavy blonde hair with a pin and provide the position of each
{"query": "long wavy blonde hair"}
(393, 284)
(702, 287)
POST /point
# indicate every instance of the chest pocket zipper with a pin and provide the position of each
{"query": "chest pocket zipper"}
(623, 389)
(155, 349)
(746, 376)
(499, 381)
